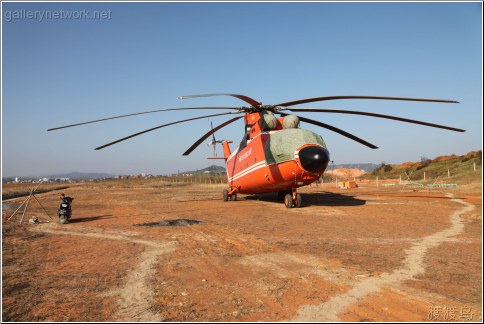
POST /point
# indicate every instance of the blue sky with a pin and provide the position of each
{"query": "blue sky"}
(62, 71)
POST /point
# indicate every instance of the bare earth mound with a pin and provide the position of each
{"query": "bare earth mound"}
(345, 173)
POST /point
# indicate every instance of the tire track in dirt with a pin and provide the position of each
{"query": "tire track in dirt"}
(136, 296)
(412, 265)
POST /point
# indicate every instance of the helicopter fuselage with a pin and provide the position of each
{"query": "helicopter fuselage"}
(274, 156)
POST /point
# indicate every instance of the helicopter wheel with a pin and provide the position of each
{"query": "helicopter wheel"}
(288, 201)
(298, 200)
(233, 197)
(225, 194)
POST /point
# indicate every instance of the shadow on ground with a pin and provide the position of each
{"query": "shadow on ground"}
(173, 222)
(89, 219)
(314, 199)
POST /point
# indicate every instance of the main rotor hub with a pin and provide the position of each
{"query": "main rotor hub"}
(260, 108)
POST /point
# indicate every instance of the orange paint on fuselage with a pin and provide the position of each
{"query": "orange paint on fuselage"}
(249, 171)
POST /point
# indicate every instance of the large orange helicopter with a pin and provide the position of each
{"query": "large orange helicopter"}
(275, 154)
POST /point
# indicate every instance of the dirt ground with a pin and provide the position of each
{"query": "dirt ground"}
(365, 254)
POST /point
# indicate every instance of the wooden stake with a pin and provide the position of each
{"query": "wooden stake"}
(26, 205)
(25, 201)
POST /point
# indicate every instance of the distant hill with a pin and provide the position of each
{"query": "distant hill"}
(360, 166)
(213, 170)
(460, 168)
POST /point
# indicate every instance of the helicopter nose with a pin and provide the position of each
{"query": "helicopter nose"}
(314, 158)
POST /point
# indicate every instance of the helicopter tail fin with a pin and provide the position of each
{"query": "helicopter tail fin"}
(226, 148)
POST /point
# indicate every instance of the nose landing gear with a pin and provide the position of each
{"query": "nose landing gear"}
(293, 200)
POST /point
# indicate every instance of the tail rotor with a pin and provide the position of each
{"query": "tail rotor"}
(213, 142)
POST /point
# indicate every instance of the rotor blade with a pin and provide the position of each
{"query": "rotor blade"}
(248, 100)
(154, 128)
(140, 113)
(337, 130)
(301, 101)
(351, 112)
(204, 137)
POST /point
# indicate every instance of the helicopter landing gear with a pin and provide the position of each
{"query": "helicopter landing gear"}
(298, 200)
(288, 201)
(229, 195)
(293, 200)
